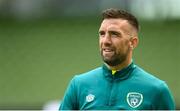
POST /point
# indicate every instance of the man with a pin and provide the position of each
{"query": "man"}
(119, 84)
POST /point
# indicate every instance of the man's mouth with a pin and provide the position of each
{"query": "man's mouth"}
(107, 51)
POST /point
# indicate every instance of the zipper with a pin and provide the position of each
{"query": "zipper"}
(111, 93)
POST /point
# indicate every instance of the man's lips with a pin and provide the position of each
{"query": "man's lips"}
(108, 49)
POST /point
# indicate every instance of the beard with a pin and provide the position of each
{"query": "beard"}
(115, 59)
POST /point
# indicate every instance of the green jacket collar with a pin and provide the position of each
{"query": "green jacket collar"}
(119, 75)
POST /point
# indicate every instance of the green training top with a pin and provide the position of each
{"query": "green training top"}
(130, 88)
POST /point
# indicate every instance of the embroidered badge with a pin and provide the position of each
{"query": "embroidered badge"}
(90, 97)
(134, 99)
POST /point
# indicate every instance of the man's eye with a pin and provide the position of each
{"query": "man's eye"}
(101, 33)
(115, 34)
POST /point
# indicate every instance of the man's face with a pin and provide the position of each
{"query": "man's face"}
(114, 41)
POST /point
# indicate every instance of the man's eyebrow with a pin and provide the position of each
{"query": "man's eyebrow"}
(101, 31)
(114, 32)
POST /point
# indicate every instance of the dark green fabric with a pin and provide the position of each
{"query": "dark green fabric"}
(117, 92)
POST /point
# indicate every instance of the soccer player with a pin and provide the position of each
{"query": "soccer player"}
(119, 83)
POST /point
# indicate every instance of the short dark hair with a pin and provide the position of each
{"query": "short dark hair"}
(116, 13)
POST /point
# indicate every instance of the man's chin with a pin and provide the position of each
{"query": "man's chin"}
(107, 58)
(112, 62)
(109, 61)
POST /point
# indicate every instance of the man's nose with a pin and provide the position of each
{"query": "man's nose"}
(107, 39)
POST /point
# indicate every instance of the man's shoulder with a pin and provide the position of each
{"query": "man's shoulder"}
(94, 73)
(148, 78)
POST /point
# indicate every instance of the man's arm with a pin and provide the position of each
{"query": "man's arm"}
(69, 101)
(165, 101)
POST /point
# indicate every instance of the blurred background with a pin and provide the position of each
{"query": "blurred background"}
(44, 43)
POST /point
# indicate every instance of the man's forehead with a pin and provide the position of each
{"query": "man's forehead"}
(114, 23)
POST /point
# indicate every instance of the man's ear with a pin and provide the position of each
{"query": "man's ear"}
(134, 42)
